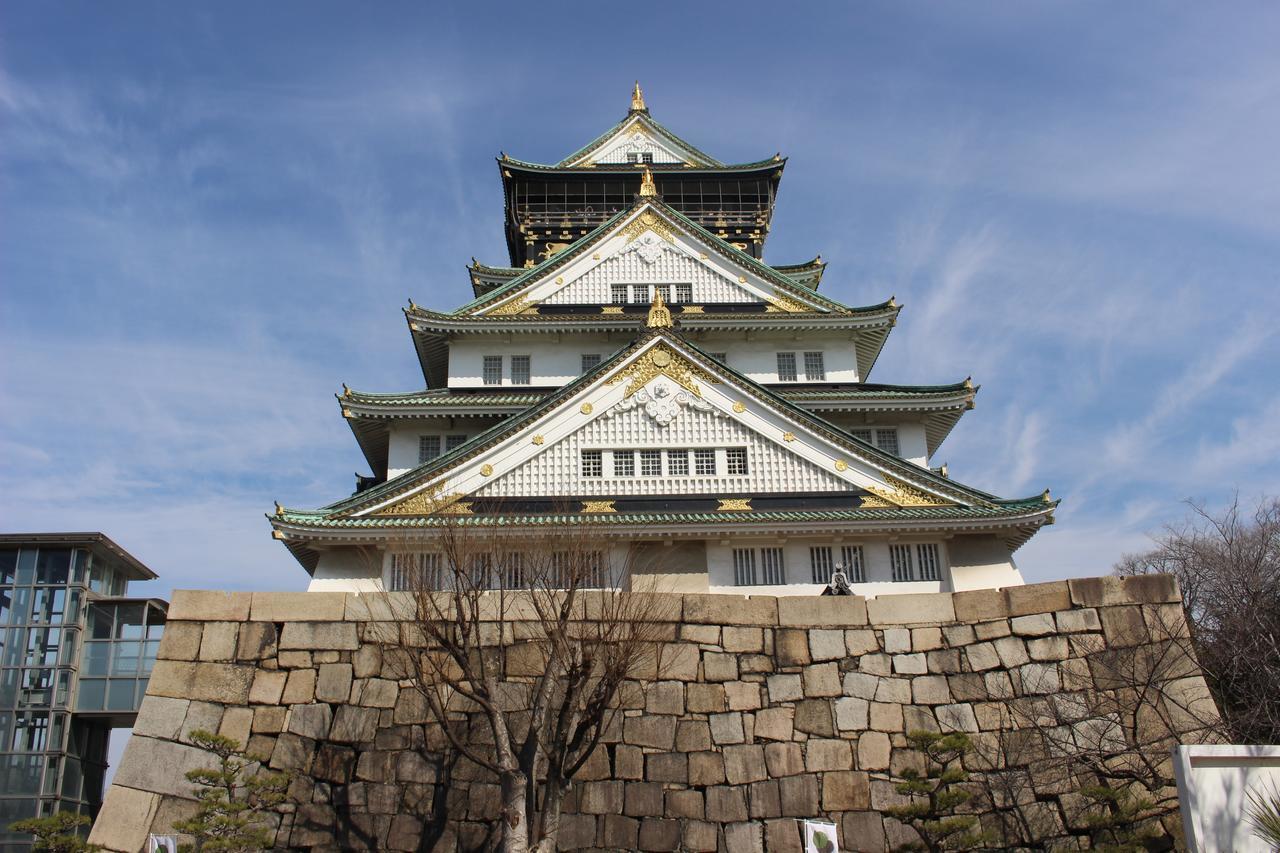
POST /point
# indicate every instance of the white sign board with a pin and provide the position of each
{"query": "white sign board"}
(820, 837)
(1213, 790)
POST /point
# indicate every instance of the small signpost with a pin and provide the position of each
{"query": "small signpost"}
(820, 837)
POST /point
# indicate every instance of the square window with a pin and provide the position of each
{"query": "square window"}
(744, 567)
(428, 448)
(684, 293)
(592, 463)
(519, 370)
(814, 369)
(453, 442)
(887, 440)
(651, 463)
(862, 435)
(772, 568)
(851, 559)
(640, 294)
(493, 370)
(704, 462)
(820, 563)
(624, 463)
(736, 460)
(618, 294)
(721, 357)
(677, 463)
(633, 157)
(927, 560)
(590, 360)
(786, 367)
(900, 560)
(646, 157)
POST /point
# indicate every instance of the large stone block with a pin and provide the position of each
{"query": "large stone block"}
(815, 611)
(161, 717)
(739, 640)
(775, 723)
(911, 609)
(791, 647)
(717, 666)
(300, 688)
(846, 791)
(706, 698)
(643, 799)
(180, 641)
(980, 605)
(125, 819)
(851, 714)
(822, 679)
(659, 834)
(658, 732)
(813, 716)
(874, 750)
(298, 607)
(204, 682)
(310, 721)
(785, 688)
(352, 724)
(700, 836)
(763, 799)
(745, 837)
(731, 610)
(600, 797)
(706, 768)
(826, 644)
(160, 766)
(620, 832)
(196, 605)
(1038, 598)
(827, 754)
(799, 795)
(1035, 625)
(744, 763)
(727, 728)
(333, 684)
(1109, 591)
(783, 759)
(319, 635)
(667, 767)
(930, 690)
(1079, 620)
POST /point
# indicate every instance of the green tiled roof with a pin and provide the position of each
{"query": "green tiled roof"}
(653, 124)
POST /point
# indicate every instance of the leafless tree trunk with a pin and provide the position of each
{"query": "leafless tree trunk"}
(534, 637)
(1229, 568)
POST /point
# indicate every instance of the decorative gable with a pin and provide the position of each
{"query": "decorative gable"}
(637, 137)
(662, 397)
(648, 247)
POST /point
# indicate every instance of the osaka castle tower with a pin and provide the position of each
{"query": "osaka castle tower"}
(639, 372)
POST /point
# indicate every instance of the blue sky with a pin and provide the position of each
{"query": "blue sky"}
(210, 217)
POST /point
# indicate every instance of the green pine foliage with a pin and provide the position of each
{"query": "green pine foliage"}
(1116, 819)
(938, 794)
(57, 833)
(233, 797)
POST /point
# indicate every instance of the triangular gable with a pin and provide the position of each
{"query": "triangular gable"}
(637, 134)
(651, 244)
(629, 393)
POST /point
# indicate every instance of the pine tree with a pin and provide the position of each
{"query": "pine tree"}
(937, 793)
(57, 833)
(233, 796)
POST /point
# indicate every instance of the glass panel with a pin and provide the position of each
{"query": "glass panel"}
(96, 657)
(120, 693)
(20, 774)
(125, 657)
(520, 370)
(53, 566)
(92, 694)
(26, 566)
(129, 622)
(71, 777)
(8, 563)
(14, 640)
(21, 607)
(141, 691)
(100, 620)
(9, 687)
(428, 448)
(79, 565)
(152, 647)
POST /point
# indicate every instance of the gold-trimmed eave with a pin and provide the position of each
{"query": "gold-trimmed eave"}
(305, 541)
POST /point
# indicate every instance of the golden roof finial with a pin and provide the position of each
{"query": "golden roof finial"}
(279, 509)
(637, 100)
(1046, 497)
(659, 313)
(647, 188)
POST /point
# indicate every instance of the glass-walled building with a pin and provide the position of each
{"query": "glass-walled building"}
(75, 656)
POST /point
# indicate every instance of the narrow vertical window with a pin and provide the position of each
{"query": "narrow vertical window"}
(887, 440)
(786, 367)
(927, 560)
(820, 563)
(590, 360)
(428, 448)
(736, 460)
(900, 560)
(594, 575)
(771, 566)
(650, 463)
(592, 463)
(677, 463)
(744, 567)
(493, 370)
(624, 463)
(684, 293)
(618, 294)
(513, 574)
(519, 370)
(851, 559)
(704, 462)
(814, 369)
(453, 442)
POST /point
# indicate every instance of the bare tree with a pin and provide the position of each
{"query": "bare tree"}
(1228, 565)
(519, 650)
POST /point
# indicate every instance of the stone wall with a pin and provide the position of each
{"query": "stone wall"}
(770, 709)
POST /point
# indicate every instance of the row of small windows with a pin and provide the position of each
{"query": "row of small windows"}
(767, 566)
(815, 369)
(671, 463)
(621, 294)
(520, 370)
(431, 446)
(641, 157)
(426, 571)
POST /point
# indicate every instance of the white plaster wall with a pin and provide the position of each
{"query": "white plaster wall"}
(1213, 782)
(912, 444)
(981, 562)
(402, 445)
(346, 570)
(555, 362)
(671, 266)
